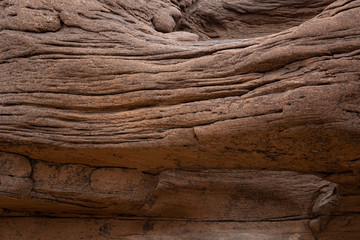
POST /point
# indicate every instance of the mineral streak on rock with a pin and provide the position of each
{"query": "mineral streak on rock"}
(179, 119)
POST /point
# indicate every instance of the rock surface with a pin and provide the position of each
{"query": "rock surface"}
(181, 119)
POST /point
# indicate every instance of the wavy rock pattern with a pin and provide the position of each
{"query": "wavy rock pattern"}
(181, 119)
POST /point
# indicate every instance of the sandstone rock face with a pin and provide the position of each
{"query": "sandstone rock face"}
(228, 19)
(181, 119)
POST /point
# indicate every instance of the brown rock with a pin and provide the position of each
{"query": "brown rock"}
(143, 229)
(301, 99)
(112, 180)
(14, 165)
(15, 185)
(148, 115)
(29, 17)
(164, 22)
(70, 178)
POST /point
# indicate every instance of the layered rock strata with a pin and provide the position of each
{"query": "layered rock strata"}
(179, 119)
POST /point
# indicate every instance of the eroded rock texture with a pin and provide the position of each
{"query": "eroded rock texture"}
(181, 119)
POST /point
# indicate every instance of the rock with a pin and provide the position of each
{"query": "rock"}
(15, 185)
(69, 178)
(315, 226)
(14, 165)
(182, 36)
(206, 195)
(25, 16)
(123, 182)
(102, 229)
(203, 203)
(326, 201)
(270, 87)
(109, 180)
(164, 22)
(233, 19)
(183, 119)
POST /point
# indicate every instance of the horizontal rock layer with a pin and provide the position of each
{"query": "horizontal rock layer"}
(280, 203)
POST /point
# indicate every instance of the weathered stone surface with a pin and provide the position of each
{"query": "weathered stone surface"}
(93, 93)
(226, 19)
(14, 165)
(280, 205)
(151, 110)
(15, 185)
(239, 195)
(45, 228)
(15, 173)
(144, 229)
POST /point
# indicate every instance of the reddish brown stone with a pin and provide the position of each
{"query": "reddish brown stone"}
(149, 115)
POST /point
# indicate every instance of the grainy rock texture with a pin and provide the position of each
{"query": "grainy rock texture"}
(179, 119)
